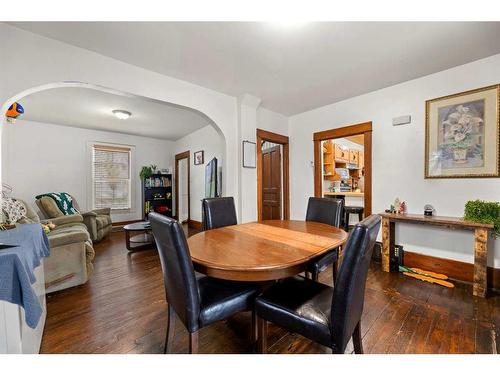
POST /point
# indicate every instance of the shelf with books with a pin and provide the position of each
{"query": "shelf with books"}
(157, 195)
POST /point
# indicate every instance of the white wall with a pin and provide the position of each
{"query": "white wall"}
(272, 121)
(40, 158)
(208, 140)
(398, 157)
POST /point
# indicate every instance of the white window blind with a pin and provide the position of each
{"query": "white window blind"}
(111, 177)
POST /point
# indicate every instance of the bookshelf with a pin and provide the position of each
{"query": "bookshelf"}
(157, 195)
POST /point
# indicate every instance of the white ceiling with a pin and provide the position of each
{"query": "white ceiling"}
(92, 109)
(292, 69)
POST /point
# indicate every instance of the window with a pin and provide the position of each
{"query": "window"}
(111, 183)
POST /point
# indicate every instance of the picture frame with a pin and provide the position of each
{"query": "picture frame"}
(462, 133)
(199, 157)
(249, 154)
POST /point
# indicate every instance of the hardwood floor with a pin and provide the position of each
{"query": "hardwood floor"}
(122, 309)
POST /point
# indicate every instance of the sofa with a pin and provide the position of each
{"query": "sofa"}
(71, 250)
(98, 221)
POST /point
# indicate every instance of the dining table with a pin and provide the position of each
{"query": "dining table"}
(262, 251)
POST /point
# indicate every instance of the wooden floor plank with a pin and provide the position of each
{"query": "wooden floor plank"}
(122, 309)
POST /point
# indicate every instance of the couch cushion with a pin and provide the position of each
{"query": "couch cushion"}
(103, 221)
(50, 207)
(31, 215)
(61, 237)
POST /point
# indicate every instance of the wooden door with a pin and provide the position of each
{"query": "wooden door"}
(271, 183)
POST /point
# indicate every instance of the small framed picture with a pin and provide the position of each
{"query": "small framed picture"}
(249, 154)
(198, 158)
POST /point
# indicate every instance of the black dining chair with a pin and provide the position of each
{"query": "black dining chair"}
(326, 211)
(218, 212)
(197, 301)
(326, 315)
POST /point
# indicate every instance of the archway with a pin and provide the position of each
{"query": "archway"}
(71, 84)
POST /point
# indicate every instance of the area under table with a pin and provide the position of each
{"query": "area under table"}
(481, 232)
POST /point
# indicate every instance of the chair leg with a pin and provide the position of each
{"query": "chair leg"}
(314, 275)
(193, 342)
(262, 342)
(334, 272)
(356, 339)
(169, 338)
(254, 333)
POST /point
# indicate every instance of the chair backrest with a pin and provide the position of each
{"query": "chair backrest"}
(325, 210)
(181, 286)
(349, 292)
(218, 212)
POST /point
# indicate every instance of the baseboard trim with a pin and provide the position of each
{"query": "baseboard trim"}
(194, 224)
(454, 269)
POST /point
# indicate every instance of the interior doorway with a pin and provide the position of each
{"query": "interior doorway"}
(271, 181)
(182, 187)
(343, 166)
(273, 201)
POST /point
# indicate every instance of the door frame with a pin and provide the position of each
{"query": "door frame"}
(182, 155)
(264, 135)
(364, 128)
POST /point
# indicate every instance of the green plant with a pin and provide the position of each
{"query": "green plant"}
(147, 171)
(484, 212)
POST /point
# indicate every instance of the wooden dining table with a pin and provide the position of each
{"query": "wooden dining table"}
(262, 251)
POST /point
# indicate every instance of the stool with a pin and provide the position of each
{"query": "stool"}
(352, 210)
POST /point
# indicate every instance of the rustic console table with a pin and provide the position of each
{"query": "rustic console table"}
(480, 241)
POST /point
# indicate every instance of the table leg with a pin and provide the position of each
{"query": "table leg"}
(127, 240)
(480, 262)
(387, 243)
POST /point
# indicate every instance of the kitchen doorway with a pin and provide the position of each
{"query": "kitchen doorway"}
(182, 187)
(273, 202)
(343, 167)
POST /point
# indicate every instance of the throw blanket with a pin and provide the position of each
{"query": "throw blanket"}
(17, 265)
(63, 200)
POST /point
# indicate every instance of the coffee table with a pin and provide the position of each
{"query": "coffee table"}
(142, 241)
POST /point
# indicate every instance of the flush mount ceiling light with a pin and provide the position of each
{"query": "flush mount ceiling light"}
(121, 114)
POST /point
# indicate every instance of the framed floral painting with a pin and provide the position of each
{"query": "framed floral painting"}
(462, 134)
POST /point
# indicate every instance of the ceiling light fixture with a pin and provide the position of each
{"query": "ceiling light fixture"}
(122, 114)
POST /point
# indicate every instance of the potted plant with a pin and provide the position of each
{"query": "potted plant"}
(484, 212)
(147, 171)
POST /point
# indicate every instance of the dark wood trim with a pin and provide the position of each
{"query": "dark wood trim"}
(264, 135)
(318, 193)
(194, 224)
(272, 137)
(368, 172)
(454, 269)
(182, 155)
(346, 131)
